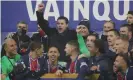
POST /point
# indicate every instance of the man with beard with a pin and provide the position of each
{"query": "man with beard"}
(108, 25)
(11, 57)
(58, 36)
(41, 37)
(21, 38)
(127, 30)
(122, 69)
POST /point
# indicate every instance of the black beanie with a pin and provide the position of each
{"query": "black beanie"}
(86, 23)
(130, 12)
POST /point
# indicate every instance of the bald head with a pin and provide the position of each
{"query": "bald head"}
(10, 46)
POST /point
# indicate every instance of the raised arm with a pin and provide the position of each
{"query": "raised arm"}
(44, 24)
(82, 45)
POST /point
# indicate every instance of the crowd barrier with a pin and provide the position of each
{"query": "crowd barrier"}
(67, 77)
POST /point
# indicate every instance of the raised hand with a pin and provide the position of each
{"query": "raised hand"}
(40, 7)
(78, 29)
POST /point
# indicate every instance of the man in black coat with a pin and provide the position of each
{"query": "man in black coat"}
(58, 36)
(21, 38)
(41, 37)
(98, 62)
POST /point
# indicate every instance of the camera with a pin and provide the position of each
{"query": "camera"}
(18, 68)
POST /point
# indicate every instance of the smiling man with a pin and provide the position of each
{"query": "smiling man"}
(122, 69)
(52, 63)
(8, 61)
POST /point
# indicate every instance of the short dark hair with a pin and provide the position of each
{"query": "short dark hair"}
(94, 34)
(54, 47)
(116, 32)
(22, 22)
(125, 58)
(126, 25)
(64, 18)
(35, 45)
(110, 22)
(74, 43)
(129, 26)
(100, 45)
(130, 12)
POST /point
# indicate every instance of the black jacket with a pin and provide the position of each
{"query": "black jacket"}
(103, 37)
(55, 38)
(22, 41)
(32, 75)
(42, 39)
(130, 74)
(130, 44)
(104, 66)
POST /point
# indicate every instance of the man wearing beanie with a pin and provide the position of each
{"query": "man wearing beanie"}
(84, 28)
(130, 17)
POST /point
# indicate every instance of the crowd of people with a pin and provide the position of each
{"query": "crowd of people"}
(61, 50)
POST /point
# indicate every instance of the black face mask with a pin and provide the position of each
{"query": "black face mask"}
(21, 32)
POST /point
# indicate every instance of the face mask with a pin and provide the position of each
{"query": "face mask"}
(21, 32)
(41, 32)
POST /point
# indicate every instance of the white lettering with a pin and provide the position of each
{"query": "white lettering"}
(66, 9)
(32, 14)
(117, 8)
(84, 10)
(105, 15)
(55, 12)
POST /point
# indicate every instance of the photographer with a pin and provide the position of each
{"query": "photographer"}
(21, 38)
(9, 59)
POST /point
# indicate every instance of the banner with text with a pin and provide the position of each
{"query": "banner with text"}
(96, 11)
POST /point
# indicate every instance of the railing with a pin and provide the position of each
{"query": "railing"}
(66, 77)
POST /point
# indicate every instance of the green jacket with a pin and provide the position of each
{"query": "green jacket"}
(7, 66)
(82, 46)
